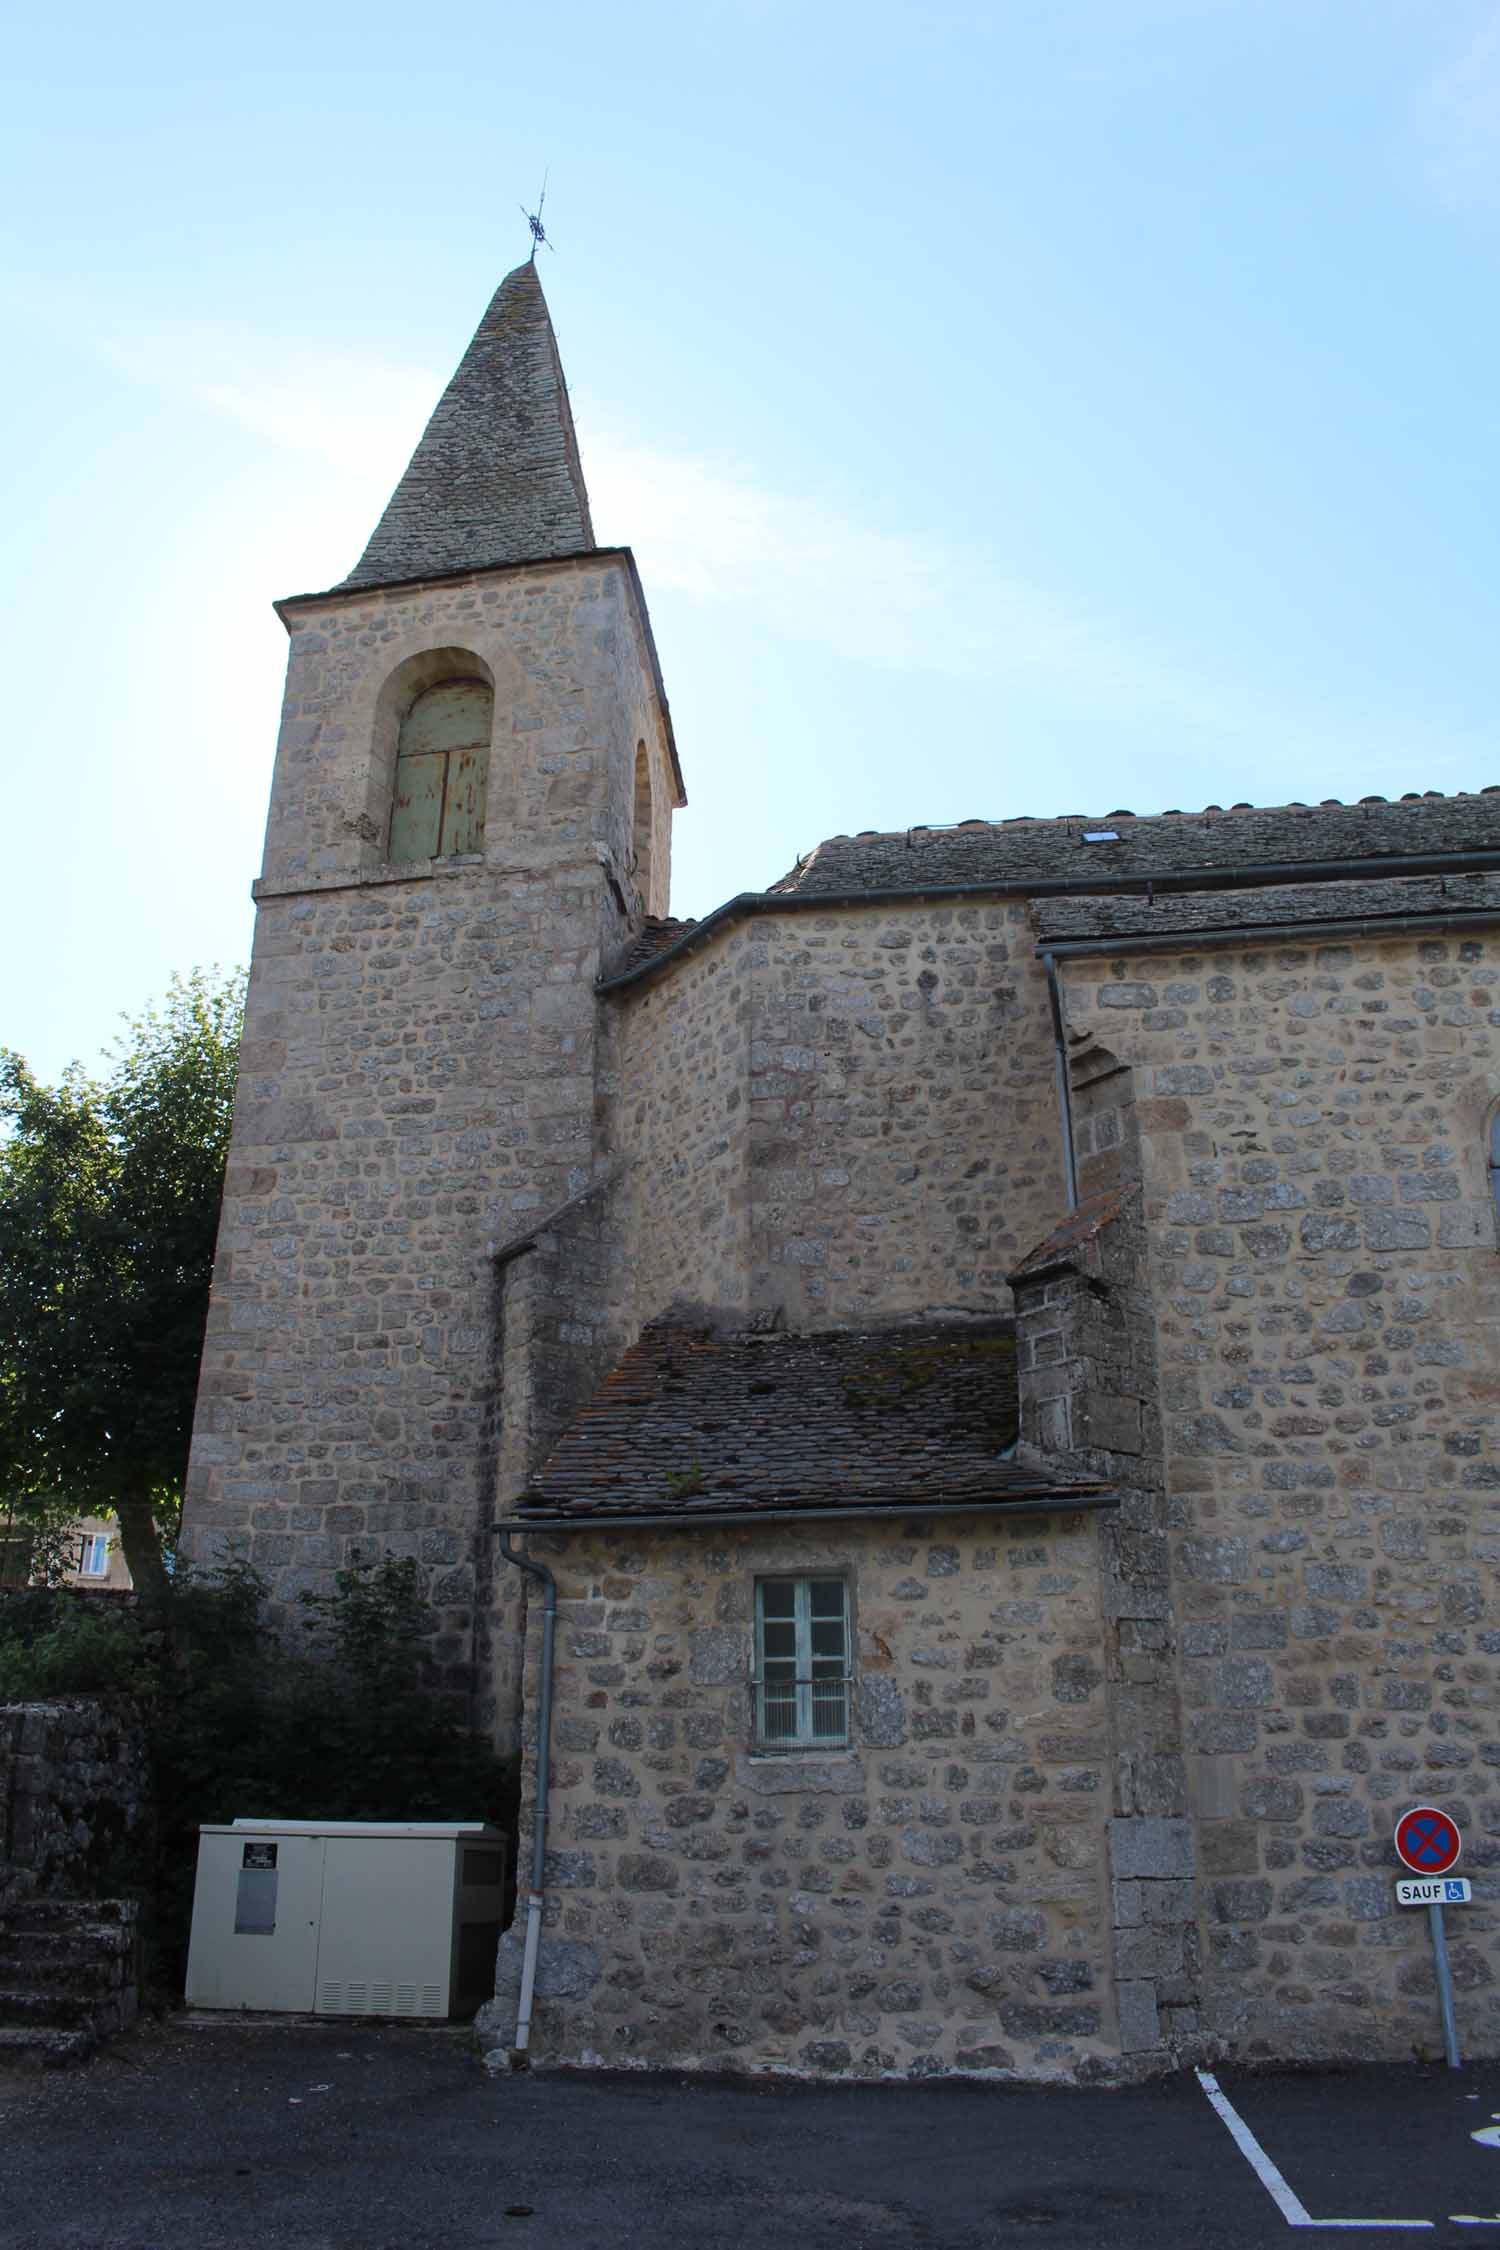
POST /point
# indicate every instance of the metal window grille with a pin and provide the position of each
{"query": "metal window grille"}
(801, 1664)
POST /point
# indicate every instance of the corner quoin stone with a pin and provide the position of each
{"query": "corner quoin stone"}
(565, 1968)
(1150, 1847)
(1140, 2025)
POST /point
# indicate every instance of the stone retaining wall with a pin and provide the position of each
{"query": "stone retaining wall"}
(73, 1798)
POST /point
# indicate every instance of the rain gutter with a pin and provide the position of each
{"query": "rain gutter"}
(1265, 933)
(1030, 1504)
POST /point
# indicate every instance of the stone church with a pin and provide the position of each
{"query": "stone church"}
(989, 1344)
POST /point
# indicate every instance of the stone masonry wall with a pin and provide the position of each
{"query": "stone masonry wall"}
(905, 1146)
(1106, 1127)
(564, 648)
(1327, 1285)
(1090, 1399)
(844, 1117)
(419, 1079)
(681, 1128)
(933, 1899)
(74, 1799)
(563, 1323)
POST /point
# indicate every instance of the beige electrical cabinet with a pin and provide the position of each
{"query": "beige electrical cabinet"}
(346, 1918)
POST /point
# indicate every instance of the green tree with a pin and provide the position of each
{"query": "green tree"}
(109, 1208)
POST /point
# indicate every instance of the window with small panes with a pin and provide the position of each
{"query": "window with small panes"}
(802, 1667)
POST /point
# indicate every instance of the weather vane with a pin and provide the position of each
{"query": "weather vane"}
(539, 234)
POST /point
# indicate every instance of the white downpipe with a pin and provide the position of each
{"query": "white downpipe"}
(535, 1900)
(528, 1970)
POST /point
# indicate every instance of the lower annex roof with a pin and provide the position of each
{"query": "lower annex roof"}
(697, 1424)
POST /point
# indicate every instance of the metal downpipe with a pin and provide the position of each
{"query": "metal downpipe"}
(536, 1896)
(1064, 1087)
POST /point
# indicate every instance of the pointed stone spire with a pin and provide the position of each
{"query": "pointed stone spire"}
(496, 477)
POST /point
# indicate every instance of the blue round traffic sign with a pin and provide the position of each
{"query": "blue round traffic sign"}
(1428, 1841)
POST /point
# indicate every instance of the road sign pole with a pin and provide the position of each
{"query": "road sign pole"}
(1444, 1985)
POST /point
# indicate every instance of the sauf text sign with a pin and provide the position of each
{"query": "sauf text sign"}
(1442, 1890)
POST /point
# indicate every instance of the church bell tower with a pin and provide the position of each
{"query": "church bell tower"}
(470, 812)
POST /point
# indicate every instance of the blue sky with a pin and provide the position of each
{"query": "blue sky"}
(1048, 406)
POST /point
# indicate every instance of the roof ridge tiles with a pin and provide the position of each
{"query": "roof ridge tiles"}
(1210, 812)
(1126, 849)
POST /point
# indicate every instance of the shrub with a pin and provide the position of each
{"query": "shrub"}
(52, 1646)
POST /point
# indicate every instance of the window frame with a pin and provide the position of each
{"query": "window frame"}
(447, 771)
(88, 1543)
(805, 1739)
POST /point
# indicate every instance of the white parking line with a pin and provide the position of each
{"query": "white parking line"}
(1290, 2205)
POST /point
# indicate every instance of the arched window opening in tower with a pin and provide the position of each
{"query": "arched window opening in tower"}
(442, 772)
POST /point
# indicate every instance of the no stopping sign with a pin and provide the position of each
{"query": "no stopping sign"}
(1428, 1841)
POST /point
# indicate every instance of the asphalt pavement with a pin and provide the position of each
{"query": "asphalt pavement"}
(327, 2137)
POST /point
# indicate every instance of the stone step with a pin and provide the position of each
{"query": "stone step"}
(80, 1941)
(68, 1970)
(45, 2049)
(20, 2006)
(71, 1913)
(85, 1970)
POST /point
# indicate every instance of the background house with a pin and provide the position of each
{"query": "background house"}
(87, 1553)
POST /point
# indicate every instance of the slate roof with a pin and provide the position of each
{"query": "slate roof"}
(496, 477)
(694, 1423)
(658, 932)
(1016, 854)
